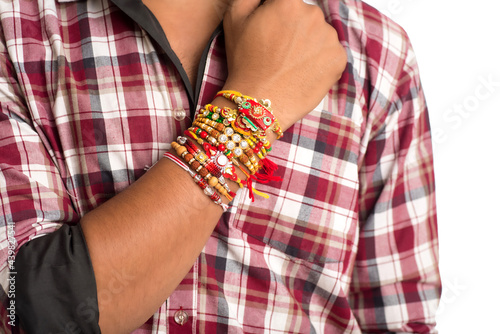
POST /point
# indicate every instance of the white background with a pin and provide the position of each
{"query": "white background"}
(457, 44)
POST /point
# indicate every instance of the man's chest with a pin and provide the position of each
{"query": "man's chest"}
(112, 103)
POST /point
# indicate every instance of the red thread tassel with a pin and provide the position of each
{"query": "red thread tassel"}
(268, 166)
(264, 178)
(250, 189)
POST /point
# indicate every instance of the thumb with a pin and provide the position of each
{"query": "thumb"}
(239, 10)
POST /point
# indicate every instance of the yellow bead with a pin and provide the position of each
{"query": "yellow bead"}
(180, 149)
(213, 181)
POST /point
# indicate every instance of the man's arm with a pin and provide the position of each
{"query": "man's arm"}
(168, 248)
(153, 231)
(396, 285)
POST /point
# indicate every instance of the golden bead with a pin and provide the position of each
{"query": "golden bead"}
(213, 181)
(180, 149)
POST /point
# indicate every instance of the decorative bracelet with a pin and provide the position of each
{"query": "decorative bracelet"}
(204, 168)
(209, 143)
(211, 117)
(254, 115)
(232, 141)
(227, 136)
(220, 115)
(230, 138)
(207, 190)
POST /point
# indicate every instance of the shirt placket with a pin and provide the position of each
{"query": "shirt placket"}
(182, 305)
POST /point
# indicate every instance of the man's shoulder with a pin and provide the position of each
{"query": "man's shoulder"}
(364, 29)
(382, 67)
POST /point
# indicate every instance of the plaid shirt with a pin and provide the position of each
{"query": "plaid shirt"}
(347, 242)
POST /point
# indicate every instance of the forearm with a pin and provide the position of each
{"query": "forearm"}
(151, 233)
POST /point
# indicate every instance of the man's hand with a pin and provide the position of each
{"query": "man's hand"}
(284, 51)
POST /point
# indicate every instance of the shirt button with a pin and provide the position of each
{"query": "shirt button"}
(181, 317)
(179, 114)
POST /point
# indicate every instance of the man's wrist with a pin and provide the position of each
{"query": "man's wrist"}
(227, 144)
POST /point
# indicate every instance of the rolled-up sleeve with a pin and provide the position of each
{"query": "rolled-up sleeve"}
(45, 271)
(57, 289)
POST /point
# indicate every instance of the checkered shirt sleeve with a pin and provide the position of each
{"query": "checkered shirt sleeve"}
(33, 197)
(395, 279)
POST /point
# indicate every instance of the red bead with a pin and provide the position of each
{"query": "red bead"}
(260, 144)
(203, 134)
(256, 149)
(221, 147)
(207, 148)
(212, 168)
(192, 148)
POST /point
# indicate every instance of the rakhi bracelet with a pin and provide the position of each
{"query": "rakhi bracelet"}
(183, 153)
(217, 126)
(210, 172)
(218, 119)
(216, 164)
(251, 145)
(210, 169)
(220, 115)
(254, 114)
(202, 158)
(219, 183)
(217, 129)
(232, 144)
(207, 190)
(231, 173)
(237, 126)
(209, 143)
(232, 141)
(214, 129)
(260, 147)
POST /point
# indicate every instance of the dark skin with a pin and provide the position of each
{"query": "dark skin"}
(163, 218)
